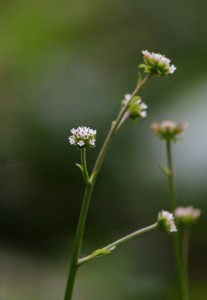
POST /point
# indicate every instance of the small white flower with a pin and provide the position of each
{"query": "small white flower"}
(83, 137)
(166, 221)
(143, 106)
(92, 142)
(81, 143)
(71, 140)
(73, 131)
(127, 97)
(143, 114)
(187, 215)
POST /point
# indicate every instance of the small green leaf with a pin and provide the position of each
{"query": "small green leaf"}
(80, 167)
(100, 252)
(145, 67)
(165, 170)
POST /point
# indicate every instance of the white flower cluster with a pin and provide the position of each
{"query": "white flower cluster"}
(83, 137)
(166, 221)
(158, 63)
(187, 215)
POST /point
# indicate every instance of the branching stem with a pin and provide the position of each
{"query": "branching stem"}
(90, 181)
(107, 249)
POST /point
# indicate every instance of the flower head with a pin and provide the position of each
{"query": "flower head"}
(187, 215)
(168, 130)
(156, 63)
(83, 137)
(166, 221)
(137, 108)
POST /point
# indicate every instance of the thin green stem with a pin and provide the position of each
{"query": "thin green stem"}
(176, 236)
(80, 227)
(171, 181)
(113, 245)
(184, 257)
(90, 181)
(84, 165)
(78, 242)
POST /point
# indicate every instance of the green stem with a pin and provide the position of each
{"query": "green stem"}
(113, 245)
(80, 227)
(172, 195)
(89, 188)
(78, 243)
(176, 239)
(84, 165)
(185, 247)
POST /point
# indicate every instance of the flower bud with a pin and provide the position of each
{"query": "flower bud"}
(166, 221)
(187, 215)
(137, 108)
(168, 130)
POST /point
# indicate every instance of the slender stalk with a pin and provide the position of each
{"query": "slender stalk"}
(90, 181)
(176, 238)
(78, 243)
(185, 247)
(84, 165)
(113, 245)
(171, 181)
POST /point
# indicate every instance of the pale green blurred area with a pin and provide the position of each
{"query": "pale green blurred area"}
(69, 63)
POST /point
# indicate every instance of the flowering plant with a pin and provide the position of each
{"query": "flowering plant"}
(134, 108)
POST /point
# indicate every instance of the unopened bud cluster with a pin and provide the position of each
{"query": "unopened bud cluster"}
(156, 63)
(83, 137)
(166, 221)
(187, 215)
(137, 108)
(168, 130)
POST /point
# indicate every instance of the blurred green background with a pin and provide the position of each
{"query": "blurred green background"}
(69, 63)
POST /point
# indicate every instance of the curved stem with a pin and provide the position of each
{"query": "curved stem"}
(120, 241)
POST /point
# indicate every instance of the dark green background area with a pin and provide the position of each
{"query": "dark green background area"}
(69, 63)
